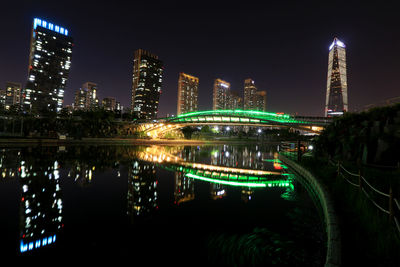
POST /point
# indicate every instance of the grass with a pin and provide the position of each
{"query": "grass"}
(368, 237)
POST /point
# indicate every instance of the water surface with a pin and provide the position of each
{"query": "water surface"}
(184, 205)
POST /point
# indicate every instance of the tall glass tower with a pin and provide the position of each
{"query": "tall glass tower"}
(336, 93)
(49, 64)
(146, 88)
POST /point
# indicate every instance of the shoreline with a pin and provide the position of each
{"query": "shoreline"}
(128, 141)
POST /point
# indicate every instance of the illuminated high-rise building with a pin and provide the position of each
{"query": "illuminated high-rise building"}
(250, 90)
(261, 100)
(221, 93)
(92, 100)
(12, 94)
(188, 87)
(49, 65)
(147, 81)
(109, 103)
(2, 98)
(235, 101)
(336, 93)
(86, 97)
(80, 99)
(254, 99)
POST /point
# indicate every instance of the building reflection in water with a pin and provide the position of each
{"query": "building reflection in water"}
(222, 166)
(217, 191)
(41, 204)
(81, 173)
(184, 188)
(241, 157)
(142, 189)
(247, 194)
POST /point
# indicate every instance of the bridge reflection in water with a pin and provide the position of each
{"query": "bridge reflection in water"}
(219, 174)
(40, 175)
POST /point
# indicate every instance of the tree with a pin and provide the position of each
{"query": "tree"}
(188, 131)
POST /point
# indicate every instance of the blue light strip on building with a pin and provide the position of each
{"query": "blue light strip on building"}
(50, 26)
(37, 243)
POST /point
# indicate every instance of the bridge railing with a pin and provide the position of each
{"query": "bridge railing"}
(374, 195)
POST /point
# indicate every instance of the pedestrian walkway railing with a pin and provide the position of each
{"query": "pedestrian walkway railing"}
(392, 207)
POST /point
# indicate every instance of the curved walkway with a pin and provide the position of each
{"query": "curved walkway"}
(333, 255)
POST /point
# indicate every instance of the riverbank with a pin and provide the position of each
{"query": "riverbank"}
(368, 237)
(127, 141)
(333, 254)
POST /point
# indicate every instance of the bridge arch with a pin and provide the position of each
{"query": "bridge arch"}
(233, 118)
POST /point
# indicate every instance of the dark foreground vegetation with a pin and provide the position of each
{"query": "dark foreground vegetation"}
(367, 144)
(76, 125)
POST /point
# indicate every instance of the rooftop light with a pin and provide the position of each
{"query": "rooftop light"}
(49, 26)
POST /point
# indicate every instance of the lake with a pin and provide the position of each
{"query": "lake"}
(226, 205)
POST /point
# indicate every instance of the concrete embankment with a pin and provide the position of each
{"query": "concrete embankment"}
(333, 255)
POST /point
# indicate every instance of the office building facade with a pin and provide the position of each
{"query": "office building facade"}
(188, 87)
(86, 97)
(221, 93)
(109, 103)
(49, 65)
(261, 101)
(254, 99)
(92, 100)
(250, 91)
(235, 101)
(336, 93)
(80, 99)
(147, 82)
(12, 95)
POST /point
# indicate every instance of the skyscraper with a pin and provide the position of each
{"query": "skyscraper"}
(235, 101)
(109, 103)
(12, 95)
(147, 80)
(221, 94)
(249, 94)
(92, 100)
(336, 93)
(254, 99)
(86, 97)
(80, 99)
(49, 64)
(188, 87)
(261, 100)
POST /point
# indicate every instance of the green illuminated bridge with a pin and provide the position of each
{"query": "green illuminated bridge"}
(236, 117)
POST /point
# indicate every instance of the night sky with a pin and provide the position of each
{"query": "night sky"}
(282, 45)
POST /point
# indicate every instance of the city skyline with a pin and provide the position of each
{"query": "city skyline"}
(287, 60)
